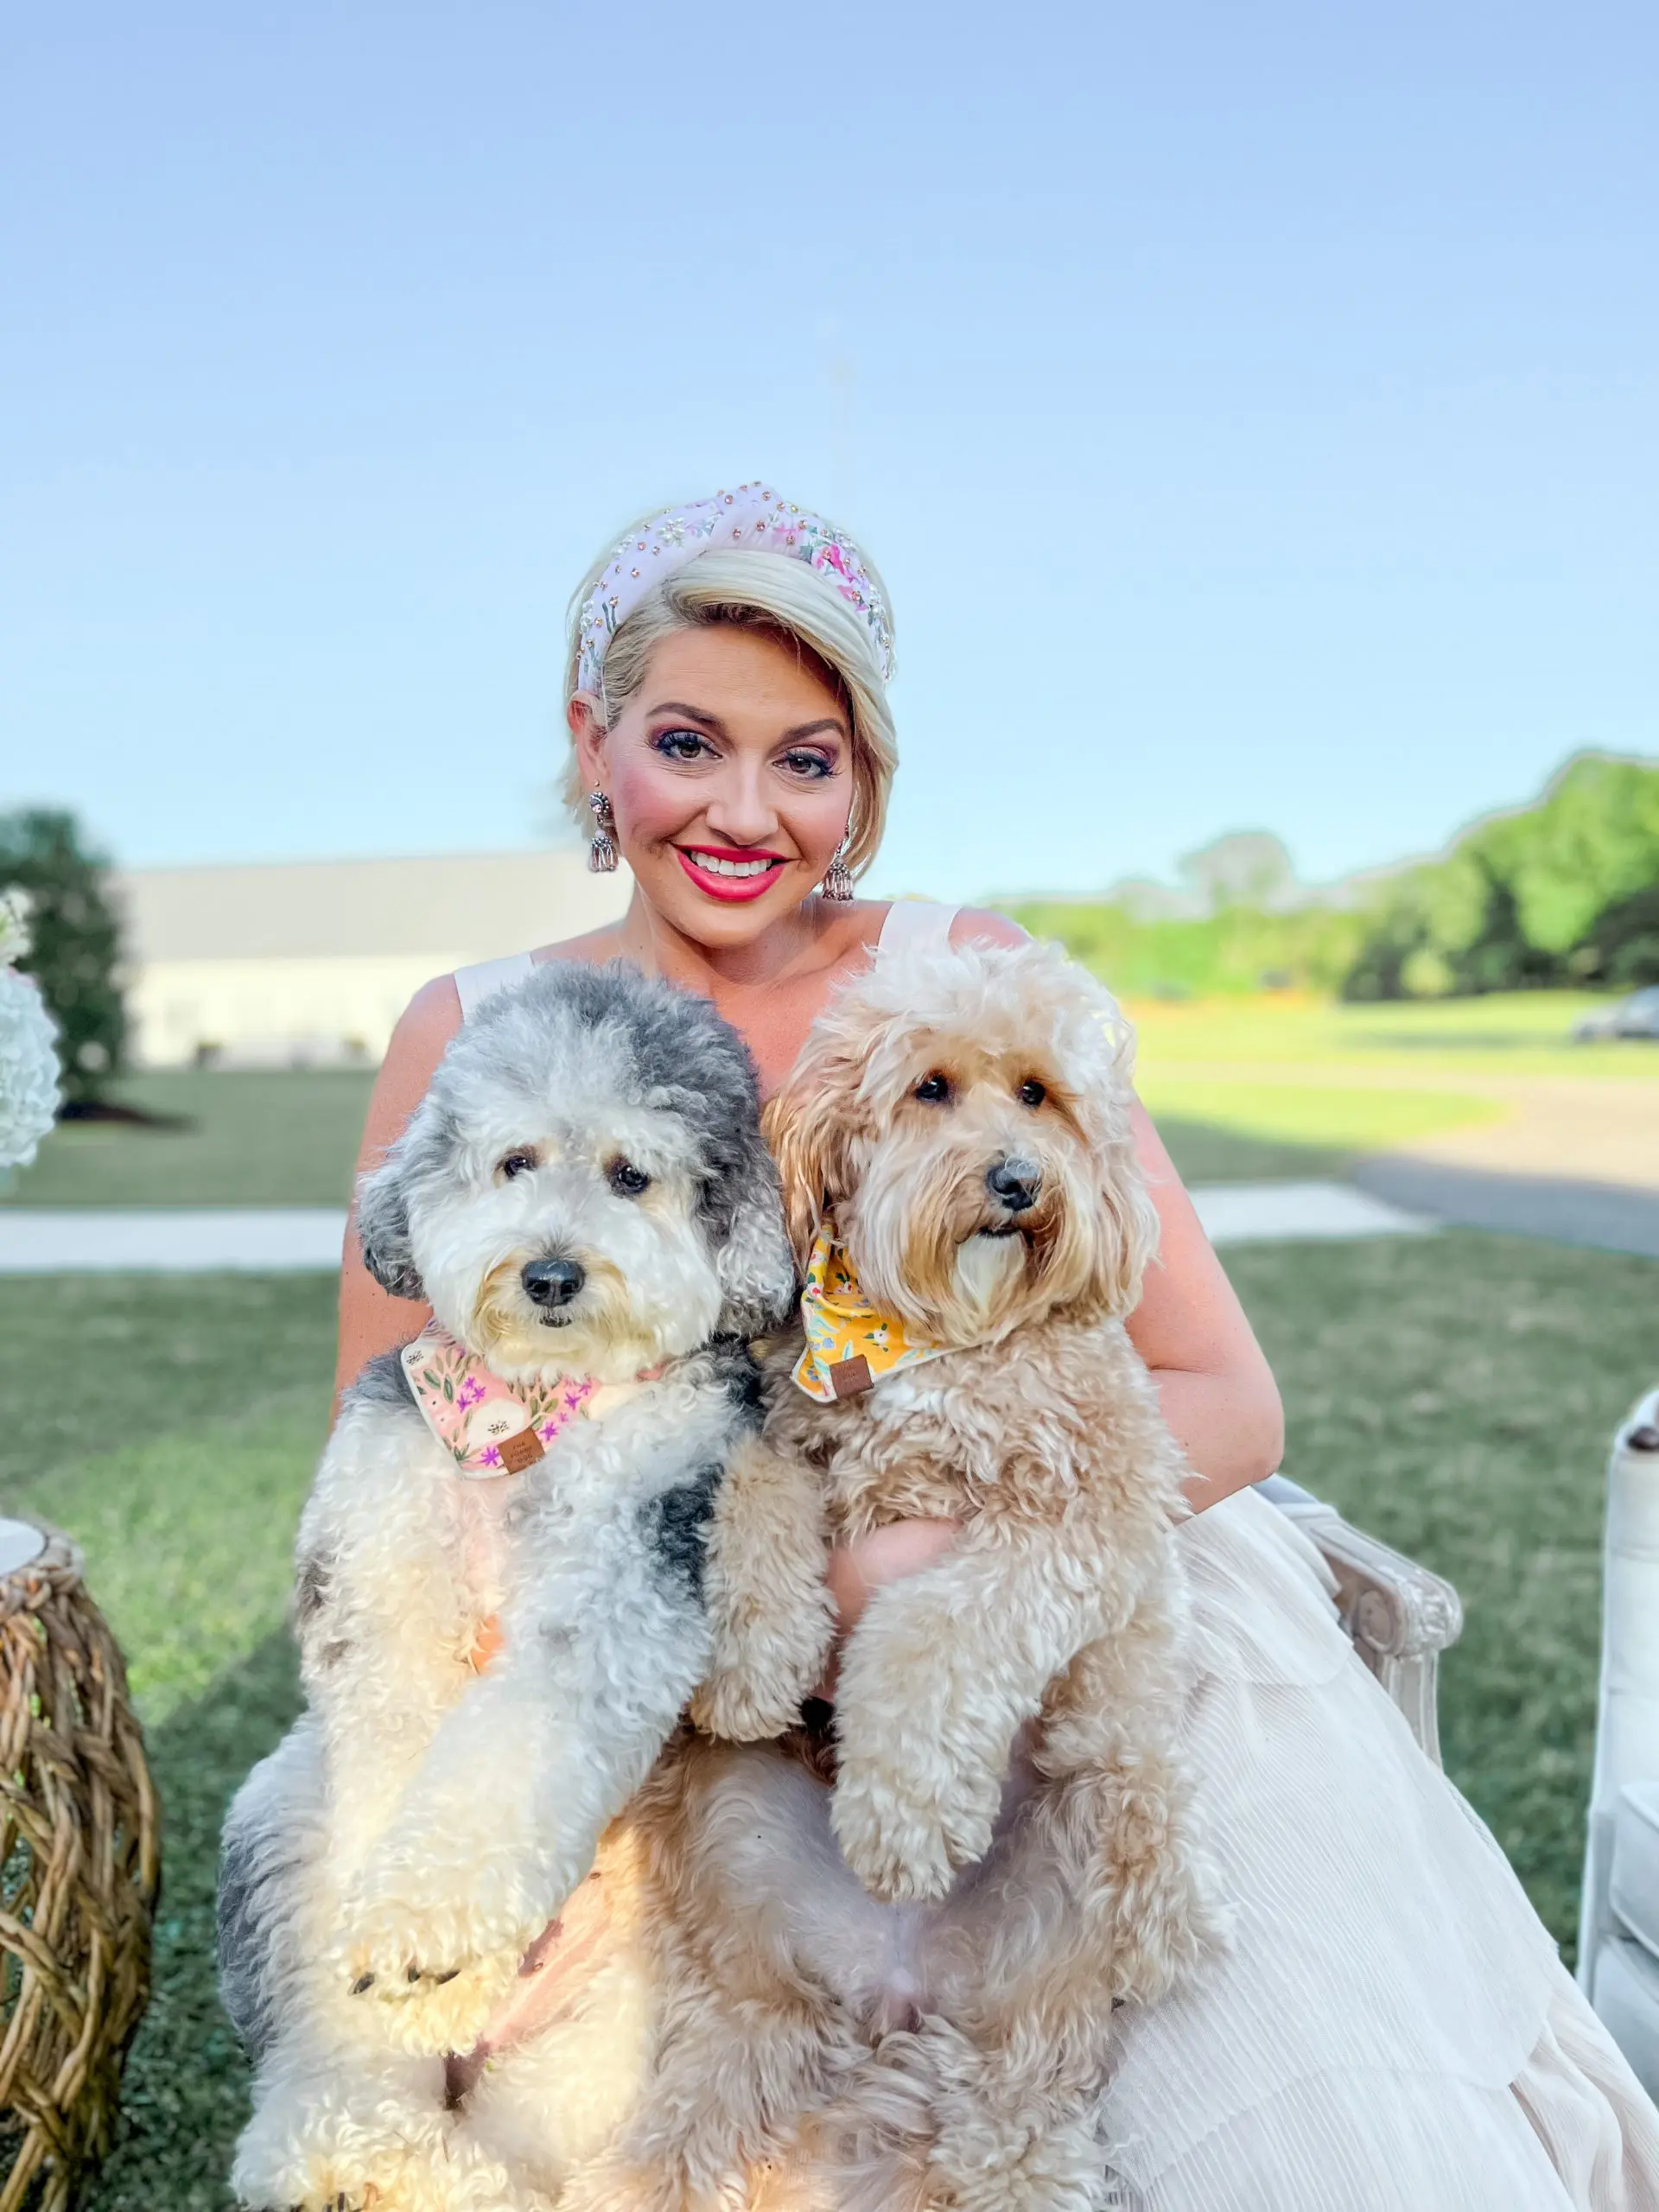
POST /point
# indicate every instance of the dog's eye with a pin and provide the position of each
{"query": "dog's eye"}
(625, 1179)
(933, 1090)
(1032, 1093)
(517, 1163)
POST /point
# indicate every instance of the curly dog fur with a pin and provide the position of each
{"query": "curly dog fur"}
(390, 1872)
(901, 1995)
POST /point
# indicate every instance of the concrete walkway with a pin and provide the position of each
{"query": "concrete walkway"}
(1286, 1213)
(174, 1239)
(200, 1240)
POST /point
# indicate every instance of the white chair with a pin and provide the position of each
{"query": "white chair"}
(1618, 1919)
(1400, 1617)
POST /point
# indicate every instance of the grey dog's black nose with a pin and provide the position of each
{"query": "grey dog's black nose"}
(1015, 1182)
(552, 1282)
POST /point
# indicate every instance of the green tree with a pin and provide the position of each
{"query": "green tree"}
(76, 951)
(1561, 891)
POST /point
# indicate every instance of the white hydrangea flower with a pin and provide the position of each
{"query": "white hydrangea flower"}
(14, 926)
(28, 1070)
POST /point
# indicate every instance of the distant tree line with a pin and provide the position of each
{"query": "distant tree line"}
(1565, 892)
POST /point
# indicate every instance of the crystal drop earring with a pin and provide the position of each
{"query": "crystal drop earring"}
(601, 854)
(837, 879)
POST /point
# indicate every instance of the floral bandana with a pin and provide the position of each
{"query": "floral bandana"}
(489, 1426)
(849, 1346)
(752, 519)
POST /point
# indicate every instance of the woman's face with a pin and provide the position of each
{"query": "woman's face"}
(729, 773)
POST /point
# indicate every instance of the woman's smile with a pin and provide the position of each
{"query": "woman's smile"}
(731, 871)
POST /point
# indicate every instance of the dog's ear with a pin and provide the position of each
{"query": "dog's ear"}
(1126, 1242)
(754, 1263)
(805, 1124)
(383, 1231)
(1101, 1052)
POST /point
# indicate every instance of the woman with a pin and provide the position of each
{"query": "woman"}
(1391, 2027)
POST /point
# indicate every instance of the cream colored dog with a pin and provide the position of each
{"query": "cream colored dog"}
(904, 1991)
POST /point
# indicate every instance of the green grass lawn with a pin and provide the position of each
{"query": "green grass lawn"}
(1510, 1032)
(1283, 1069)
(278, 1139)
(1452, 1394)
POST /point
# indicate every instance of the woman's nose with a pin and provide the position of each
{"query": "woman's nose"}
(740, 810)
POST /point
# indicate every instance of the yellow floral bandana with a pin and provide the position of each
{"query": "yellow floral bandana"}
(849, 1346)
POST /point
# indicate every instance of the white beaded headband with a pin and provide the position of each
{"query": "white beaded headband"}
(752, 519)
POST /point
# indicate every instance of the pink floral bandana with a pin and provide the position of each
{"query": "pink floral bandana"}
(751, 519)
(488, 1426)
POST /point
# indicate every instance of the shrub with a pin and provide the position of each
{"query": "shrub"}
(76, 951)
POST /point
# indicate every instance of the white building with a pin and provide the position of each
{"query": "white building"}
(310, 962)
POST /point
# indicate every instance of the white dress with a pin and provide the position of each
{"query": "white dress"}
(1391, 2030)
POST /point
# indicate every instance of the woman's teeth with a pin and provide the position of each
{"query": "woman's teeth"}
(730, 867)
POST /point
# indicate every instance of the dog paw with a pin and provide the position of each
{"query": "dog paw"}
(765, 1667)
(409, 1923)
(903, 1850)
(353, 2173)
(742, 1707)
(441, 1973)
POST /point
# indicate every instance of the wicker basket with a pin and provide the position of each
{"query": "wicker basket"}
(78, 1868)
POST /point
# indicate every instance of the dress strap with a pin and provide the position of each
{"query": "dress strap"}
(482, 981)
(916, 921)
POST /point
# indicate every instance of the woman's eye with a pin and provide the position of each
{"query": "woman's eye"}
(517, 1163)
(811, 767)
(933, 1090)
(680, 743)
(1032, 1093)
(625, 1179)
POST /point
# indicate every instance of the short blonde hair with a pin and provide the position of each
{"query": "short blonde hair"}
(771, 593)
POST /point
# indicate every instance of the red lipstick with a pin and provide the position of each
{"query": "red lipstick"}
(735, 890)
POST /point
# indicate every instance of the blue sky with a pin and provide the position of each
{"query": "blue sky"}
(1252, 409)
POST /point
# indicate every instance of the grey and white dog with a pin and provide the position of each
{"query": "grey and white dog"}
(582, 1192)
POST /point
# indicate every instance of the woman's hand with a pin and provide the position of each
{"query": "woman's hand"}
(857, 1571)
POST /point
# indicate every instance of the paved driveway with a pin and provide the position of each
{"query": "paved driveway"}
(1613, 1216)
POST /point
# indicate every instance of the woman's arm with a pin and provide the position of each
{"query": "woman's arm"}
(369, 1319)
(1217, 1390)
(1218, 1395)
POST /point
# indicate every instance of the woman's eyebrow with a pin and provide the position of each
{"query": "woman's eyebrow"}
(691, 714)
(712, 721)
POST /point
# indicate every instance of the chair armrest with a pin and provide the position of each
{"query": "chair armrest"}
(1399, 1616)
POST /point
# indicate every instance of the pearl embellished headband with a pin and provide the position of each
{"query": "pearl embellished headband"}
(752, 519)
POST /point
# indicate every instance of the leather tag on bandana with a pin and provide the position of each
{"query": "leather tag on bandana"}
(848, 1376)
(520, 1451)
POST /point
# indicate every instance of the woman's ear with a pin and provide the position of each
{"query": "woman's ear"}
(587, 735)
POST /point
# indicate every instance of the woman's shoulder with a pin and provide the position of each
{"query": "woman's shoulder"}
(980, 925)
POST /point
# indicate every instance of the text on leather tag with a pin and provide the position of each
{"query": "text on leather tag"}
(520, 1451)
(848, 1376)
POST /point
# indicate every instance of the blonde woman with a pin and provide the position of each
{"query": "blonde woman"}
(1391, 2028)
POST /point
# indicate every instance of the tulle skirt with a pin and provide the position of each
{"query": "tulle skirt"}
(1392, 2030)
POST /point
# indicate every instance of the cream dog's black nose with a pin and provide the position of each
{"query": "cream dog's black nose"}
(552, 1282)
(1014, 1183)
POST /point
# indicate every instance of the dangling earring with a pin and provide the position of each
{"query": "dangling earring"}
(837, 878)
(601, 854)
